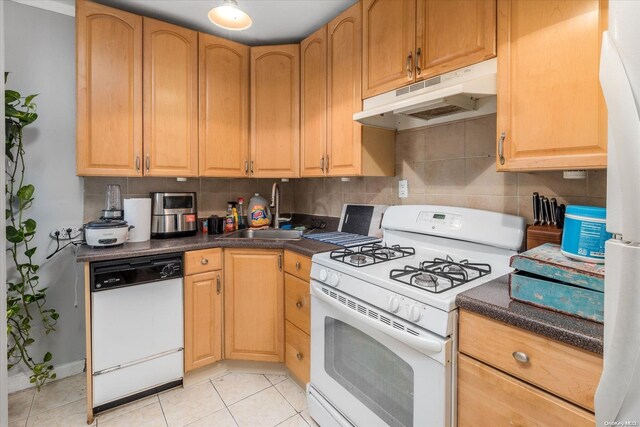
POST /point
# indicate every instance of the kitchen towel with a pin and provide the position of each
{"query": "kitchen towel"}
(137, 212)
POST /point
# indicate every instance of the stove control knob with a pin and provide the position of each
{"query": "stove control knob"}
(414, 313)
(323, 275)
(333, 279)
(394, 304)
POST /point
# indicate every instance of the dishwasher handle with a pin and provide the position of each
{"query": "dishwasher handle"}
(424, 345)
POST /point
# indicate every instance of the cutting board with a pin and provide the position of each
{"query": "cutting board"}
(362, 219)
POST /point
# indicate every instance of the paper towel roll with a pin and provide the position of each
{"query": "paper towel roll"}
(137, 212)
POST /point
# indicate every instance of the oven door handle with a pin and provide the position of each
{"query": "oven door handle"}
(424, 345)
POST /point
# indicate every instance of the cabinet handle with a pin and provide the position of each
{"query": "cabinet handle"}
(280, 262)
(299, 304)
(409, 65)
(501, 147)
(138, 163)
(147, 163)
(322, 164)
(246, 167)
(520, 356)
(298, 265)
(326, 164)
(204, 261)
(418, 68)
(218, 284)
(299, 356)
(251, 167)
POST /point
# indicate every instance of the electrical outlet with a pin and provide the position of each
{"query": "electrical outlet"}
(65, 234)
(403, 189)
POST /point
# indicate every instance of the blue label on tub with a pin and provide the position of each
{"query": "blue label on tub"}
(584, 239)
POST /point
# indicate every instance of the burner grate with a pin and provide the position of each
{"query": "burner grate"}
(440, 274)
(371, 254)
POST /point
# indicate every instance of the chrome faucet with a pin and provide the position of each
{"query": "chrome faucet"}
(275, 203)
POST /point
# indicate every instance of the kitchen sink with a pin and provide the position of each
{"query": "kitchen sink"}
(266, 233)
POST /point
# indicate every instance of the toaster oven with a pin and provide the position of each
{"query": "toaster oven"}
(173, 215)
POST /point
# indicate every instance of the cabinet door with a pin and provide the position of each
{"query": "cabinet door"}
(170, 99)
(202, 319)
(389, 30)
(254, 305)
(344, 142)
(487, 397)
(313, 103)
(550, 105)
(109, 91)
(275, 111)
(453, 34)
(224, 107)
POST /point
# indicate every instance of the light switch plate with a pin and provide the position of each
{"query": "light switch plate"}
(403, 189)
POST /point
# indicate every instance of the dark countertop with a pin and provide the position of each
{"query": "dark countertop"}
(492, 300)
(303, 246)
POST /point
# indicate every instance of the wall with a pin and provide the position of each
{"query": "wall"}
(40, 54)
(452, 164)
(212, 193)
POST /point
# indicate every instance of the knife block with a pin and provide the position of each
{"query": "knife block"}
(540, 234)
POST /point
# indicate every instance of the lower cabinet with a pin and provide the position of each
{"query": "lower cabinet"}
(254, 305)
(202, 308)
(297, 356)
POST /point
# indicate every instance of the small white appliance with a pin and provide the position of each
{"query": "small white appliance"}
(384, 319)
(106, 232)
(136, 328)
(459, 94)
(617, 399)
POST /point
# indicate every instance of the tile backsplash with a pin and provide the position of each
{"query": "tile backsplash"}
(452, 164)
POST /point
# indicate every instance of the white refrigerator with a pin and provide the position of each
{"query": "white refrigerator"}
(618, 395)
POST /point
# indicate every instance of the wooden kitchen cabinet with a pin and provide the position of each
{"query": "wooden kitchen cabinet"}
(551, 111)
(405, 41)
(332, 143)
(522, 378)
(109, 91)
(254, 305)
(275, 111)
(313, 104)
(224, 107)
(297, 308)
(203, 298)
(170, 99)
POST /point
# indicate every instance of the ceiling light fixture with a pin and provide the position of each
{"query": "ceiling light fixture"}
(229, 16)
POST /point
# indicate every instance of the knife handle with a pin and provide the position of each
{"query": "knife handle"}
(547, 211)
(554, 207)
(536, 208)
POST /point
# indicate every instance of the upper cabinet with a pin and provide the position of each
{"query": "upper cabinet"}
(109, 91)
(170, 78)
(409, 40)
(275, 111)
(313, 104)
(333, 144)
(224, 107)
(551, 112)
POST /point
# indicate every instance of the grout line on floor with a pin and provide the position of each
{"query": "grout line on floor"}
(285, 397)
(166, 423)
(246, 397)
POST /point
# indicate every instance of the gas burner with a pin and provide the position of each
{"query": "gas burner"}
(440, 274)
(358, 259)
(371, 254)
(425, 280)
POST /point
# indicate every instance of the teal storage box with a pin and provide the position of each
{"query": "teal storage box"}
(546, 278)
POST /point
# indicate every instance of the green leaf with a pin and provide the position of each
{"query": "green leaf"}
(26, 192)
(29, 253)
(7, 213)
(11, 96)
(29, 98)
(14, 235)
(47, 357)
(30, 225)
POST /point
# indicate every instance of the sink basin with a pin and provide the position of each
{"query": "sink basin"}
(266, 233)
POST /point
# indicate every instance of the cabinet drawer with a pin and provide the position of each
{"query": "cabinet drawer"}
(298, 265)
(297, 302)
(488, 397)
(564, 370)
(297, 352)
(202, 261)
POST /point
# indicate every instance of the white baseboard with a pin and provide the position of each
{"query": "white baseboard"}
(20, 381)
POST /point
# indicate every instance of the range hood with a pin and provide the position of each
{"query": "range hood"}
(463, 93)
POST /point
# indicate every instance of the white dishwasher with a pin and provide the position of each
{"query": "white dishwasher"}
(136, 328)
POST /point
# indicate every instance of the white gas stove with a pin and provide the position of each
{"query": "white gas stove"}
(400, 295)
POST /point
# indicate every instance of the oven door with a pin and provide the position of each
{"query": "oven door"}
(371, 368)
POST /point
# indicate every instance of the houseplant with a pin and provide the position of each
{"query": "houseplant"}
(25, 299)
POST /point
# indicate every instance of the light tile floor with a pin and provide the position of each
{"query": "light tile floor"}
(231, 400)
